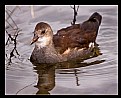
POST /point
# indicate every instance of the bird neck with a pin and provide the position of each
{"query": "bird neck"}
(46, 46)
(44, 42)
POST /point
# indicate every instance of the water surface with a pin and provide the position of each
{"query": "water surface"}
(97, 75)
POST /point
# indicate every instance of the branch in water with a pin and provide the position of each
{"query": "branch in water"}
(12, 38)
(77, 80)
(75, 14)
(15, 43)
(11, 12)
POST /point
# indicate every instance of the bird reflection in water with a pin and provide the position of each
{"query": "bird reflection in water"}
(46, 72)
(46, 78)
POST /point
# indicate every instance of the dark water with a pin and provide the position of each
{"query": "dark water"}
(97, 75)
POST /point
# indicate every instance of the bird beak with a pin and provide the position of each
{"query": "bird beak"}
(35, 38)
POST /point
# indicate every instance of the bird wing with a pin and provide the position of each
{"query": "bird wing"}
(78, 35)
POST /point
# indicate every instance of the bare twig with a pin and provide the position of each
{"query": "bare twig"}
(12, 38)
(9, 38)
(25, 87)
(11, 19)
(77, 8)
(75, 13)
(9, 24)
(11, 12)
(15, 43)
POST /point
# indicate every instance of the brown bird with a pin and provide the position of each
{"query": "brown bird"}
(68, 43)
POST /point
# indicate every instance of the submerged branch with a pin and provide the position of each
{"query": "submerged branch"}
(11, 19)
(77, 80)
(11, 12)
(12, 38)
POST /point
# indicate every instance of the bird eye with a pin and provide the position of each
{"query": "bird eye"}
(43, 32)
(94, 19)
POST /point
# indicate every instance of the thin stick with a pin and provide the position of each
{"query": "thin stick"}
(77, 80)
(75, 14)
(25, 87)
(12, 19)
(11, 12)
